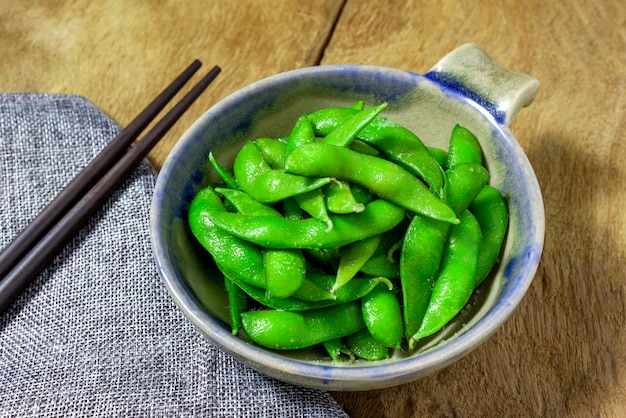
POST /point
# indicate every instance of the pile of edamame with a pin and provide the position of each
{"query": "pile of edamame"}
(350, 233)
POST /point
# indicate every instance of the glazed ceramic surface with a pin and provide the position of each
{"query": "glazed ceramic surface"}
(466, 87)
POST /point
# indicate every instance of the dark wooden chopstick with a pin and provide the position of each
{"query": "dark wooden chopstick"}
(13, 283)
(110, 154)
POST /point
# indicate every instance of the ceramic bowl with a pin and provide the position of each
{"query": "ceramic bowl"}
(466, 87)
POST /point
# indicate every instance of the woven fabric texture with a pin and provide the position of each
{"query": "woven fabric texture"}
(96, 333)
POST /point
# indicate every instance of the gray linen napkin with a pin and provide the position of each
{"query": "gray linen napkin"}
(97, 334)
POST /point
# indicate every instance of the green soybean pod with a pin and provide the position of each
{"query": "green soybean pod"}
(270, 232)
(358, 105)
(440, 155)
(361, 194)
(326, 119)
(291, 209)
(403, 147)
(237, 303)
(354, 289)
(224, 174)
(398, 143)
(381, 265)
(343, 134)
(313, 203)
(325, 256)
(256, 177)
(301, 133)
(314, 293)
(455, 281)
(290, 304)
(283, 330)
(311, 291)
(352, 258)
(235, 257)
(399, 185)
(273, 151)
(340, 199)
(336, 347)
(243, 203)
(420, 258)
(365, 346)
(463, 148)
(491, 211)
(463, 183)
(285, 271)
(383, 316)
(363, 148)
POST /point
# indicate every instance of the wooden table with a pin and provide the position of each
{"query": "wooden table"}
(563, 353)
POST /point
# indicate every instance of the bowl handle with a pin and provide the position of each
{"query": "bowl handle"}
(471, 72)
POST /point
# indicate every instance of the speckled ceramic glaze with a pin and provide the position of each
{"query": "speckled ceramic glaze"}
(465, 87)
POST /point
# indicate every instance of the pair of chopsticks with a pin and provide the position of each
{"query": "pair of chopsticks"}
(44, 237)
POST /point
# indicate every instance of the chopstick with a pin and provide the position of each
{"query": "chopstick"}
(26, 265)
(86, 178)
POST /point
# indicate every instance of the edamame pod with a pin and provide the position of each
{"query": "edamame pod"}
(354, 289)
(491, 211)
(314, 204)
(237, 303)
(314, 293)
(383, 316)
(365, 346)
(352, 258)
(363, 148)
(326, 119)
(420, 259)
(379, 265)
(273, 151)
(290, 304)
(463, 183)
(243, 203)
(397, 143)
(343, 134)
(301, 133)
(463, 148)
(226, 176)
(283, 330)
(336, 347)
(440, 155)
(325, 256)
(383, 178)
(358, 105)
(257, 178)
(403, 147)
(285, 271)
(455, 282)
(235, 257)
(269, 232)
(339, 198)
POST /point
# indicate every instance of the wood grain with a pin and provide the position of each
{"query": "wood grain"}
(120, 54)
(563, 353)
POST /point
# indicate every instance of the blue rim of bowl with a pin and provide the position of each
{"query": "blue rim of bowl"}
(339, 377)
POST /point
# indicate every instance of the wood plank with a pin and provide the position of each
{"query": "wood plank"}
(563, 353)
(121, 54)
